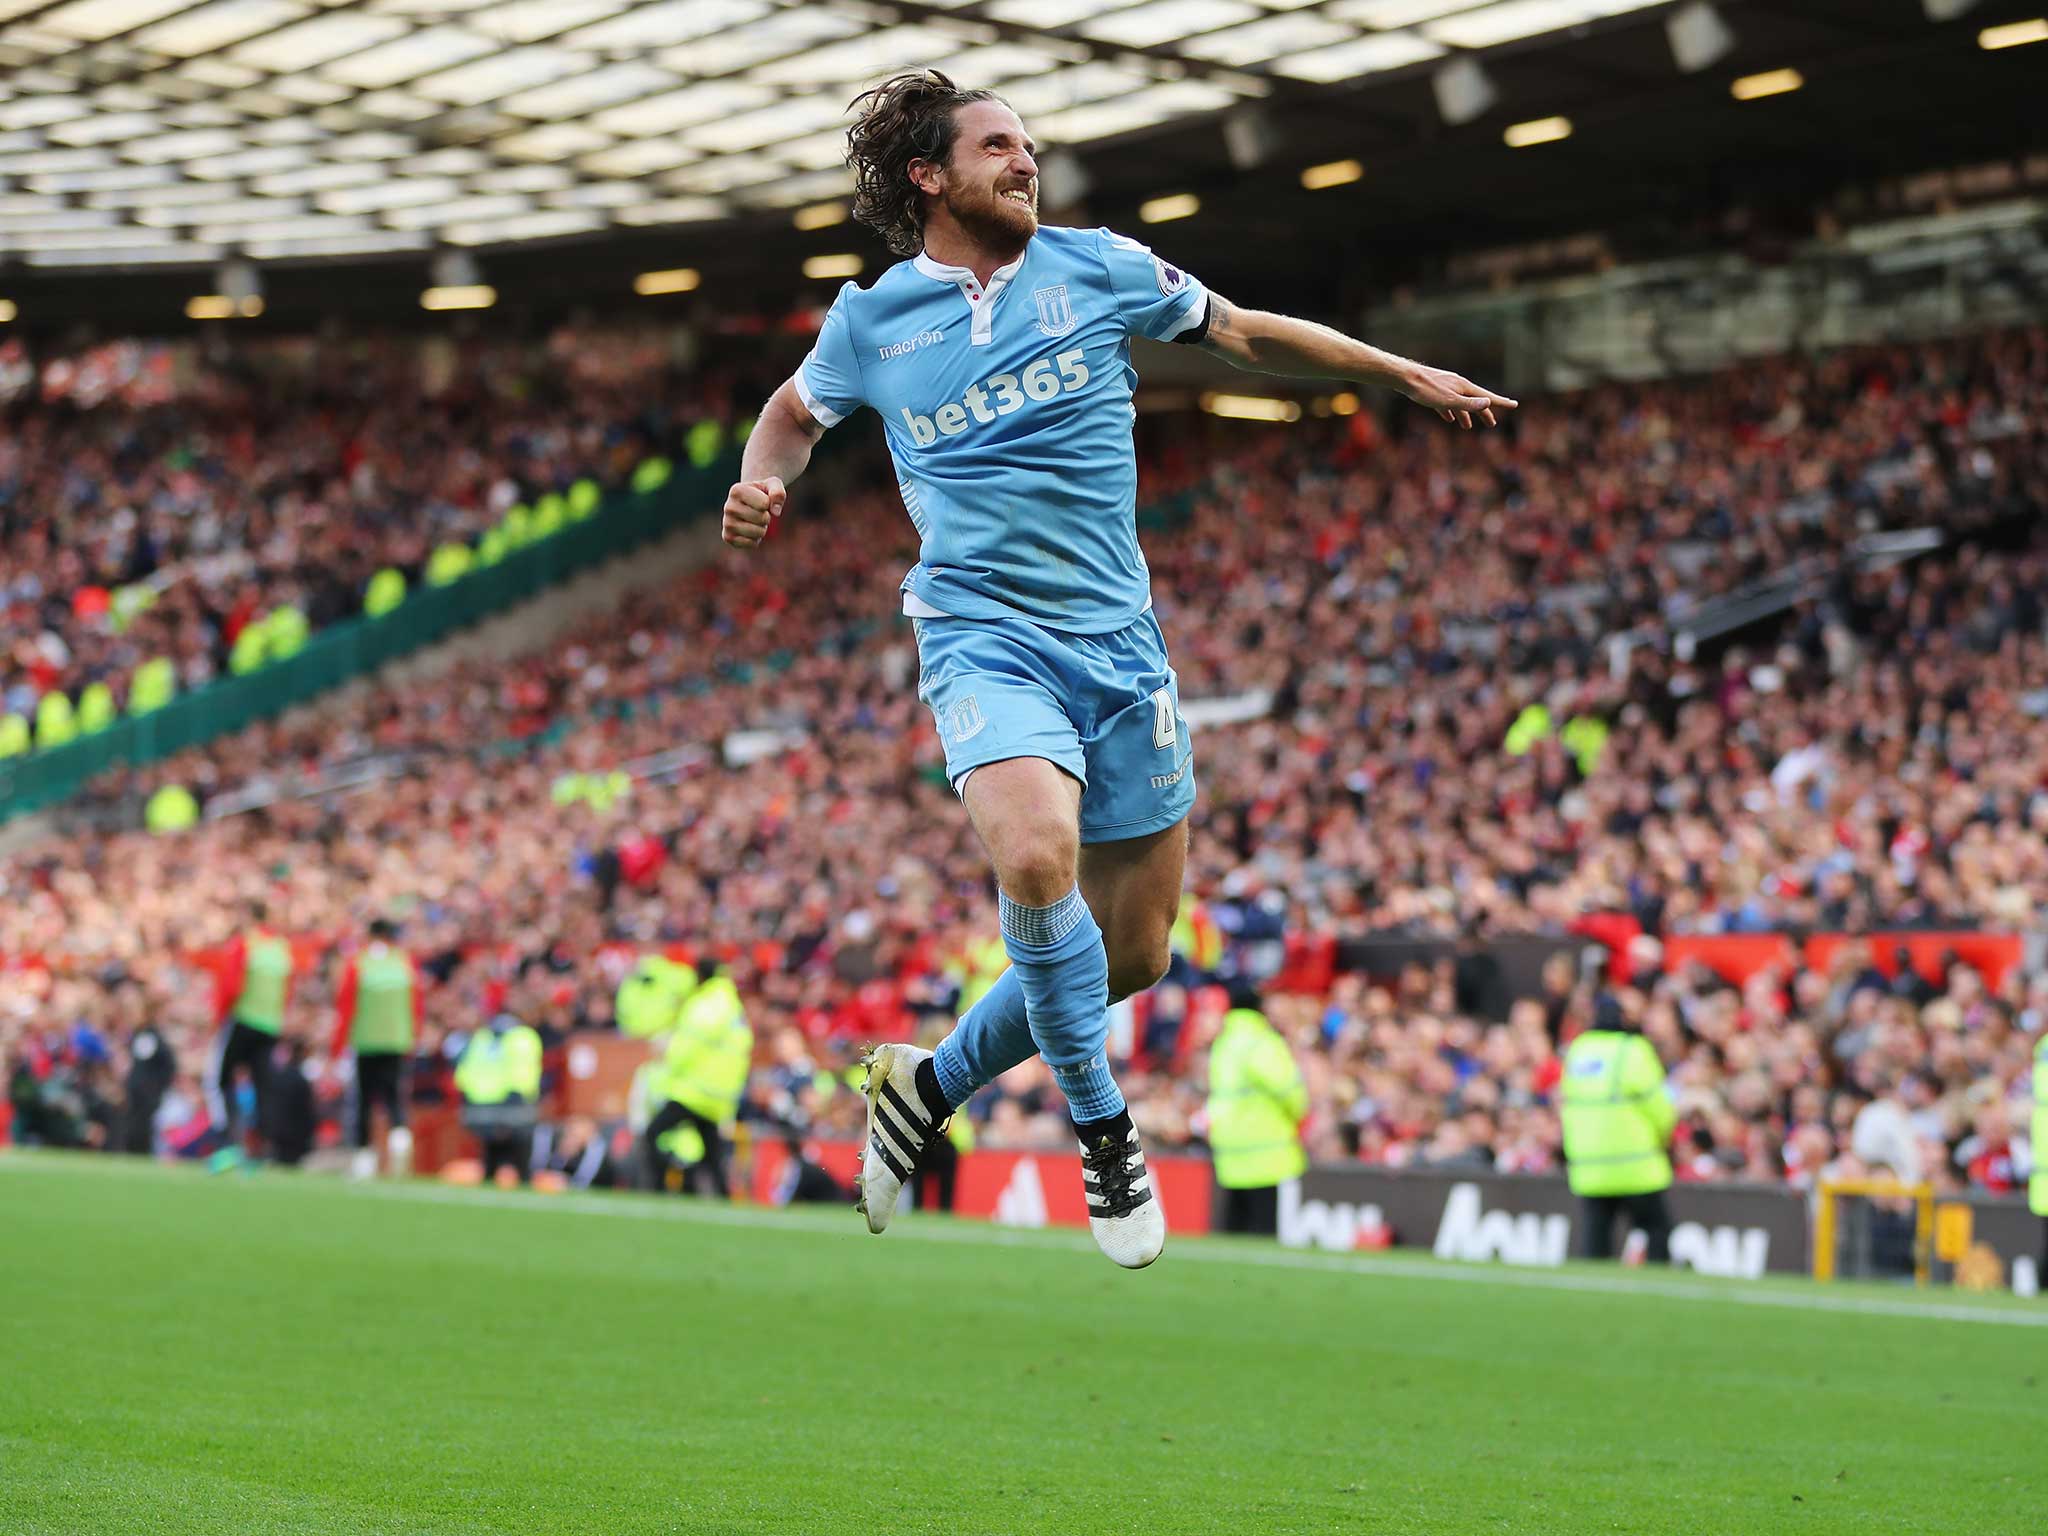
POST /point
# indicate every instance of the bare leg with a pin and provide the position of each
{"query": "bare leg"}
(1133, 888)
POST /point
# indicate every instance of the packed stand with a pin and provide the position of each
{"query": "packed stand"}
(158, 502)
(1877, 762)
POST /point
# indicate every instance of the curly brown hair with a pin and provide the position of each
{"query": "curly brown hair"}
(905, 118)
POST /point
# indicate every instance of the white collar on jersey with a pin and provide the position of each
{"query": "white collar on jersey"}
(981, 302)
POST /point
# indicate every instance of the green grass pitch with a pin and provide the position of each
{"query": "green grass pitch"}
(278, 1354)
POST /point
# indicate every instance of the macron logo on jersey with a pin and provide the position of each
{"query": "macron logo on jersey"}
(1042, 379)
(905, 348)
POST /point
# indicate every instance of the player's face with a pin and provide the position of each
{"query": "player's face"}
(991, 185)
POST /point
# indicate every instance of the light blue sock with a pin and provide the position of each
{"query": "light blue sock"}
(1063, 971)
(993, 1038)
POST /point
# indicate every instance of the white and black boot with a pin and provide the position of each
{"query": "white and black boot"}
(1123, 1210)
(906, 1112)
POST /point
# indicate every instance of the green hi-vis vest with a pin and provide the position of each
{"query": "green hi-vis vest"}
(652, 996)
(683, 1142)
(1617, 1117)
(384, 1001)
(14, 736)
(497, 1064)
(987, 959)
(56, 720)
(261, 1005)
(583, 499)
(651, 475)
(2037, 1186)
(601, 791)
(1530, 726)
(703, 442)
(154, 685)
(1257, 1102)
(173, 808)
(251, 648)
(517, 526)
(549, 513)
(1585, 737)
(710, 1052)
(287, 629)
(448, 563)
(385, 592)
(95, 709)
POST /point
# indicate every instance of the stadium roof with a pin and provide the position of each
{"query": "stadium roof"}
(172, 134)
(183, 130)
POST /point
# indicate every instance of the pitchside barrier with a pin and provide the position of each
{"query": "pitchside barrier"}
(1470, 1215)
(1744, 1230)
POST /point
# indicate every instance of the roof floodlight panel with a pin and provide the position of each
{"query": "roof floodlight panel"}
(1388, 14)
(500, 75)
(215, 26)
(583, 93)
(1123, 114)
(1046, 13)
(771, 125)
(640, 157)
(1073, 86)
(786, 32)
(501, 205)
(93, 21)
(108, 127)
(409, 57)
(1367, 56)
(561, 141)
(1258, 41)
(1166, 21)
(530, 226)
(666, 24)
(528, 21)
(859, 60)
(683, 108)
(1505, 23)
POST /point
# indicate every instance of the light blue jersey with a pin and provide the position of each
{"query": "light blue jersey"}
(1008, 412)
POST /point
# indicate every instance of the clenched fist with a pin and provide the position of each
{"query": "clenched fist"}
(748, 508)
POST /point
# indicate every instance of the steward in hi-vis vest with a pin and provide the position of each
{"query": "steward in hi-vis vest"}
(704, 1077)
(1257, 1102)
(377, 1009)
(1617, 1129)
(651, 996)
(499, 1078)
(253, 988)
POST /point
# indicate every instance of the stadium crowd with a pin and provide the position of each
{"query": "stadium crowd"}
(1461, 715)
(157, 501)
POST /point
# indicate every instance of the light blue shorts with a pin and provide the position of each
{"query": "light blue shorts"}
(1105, 708)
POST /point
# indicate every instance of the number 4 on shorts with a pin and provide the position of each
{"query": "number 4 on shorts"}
(1162, 719)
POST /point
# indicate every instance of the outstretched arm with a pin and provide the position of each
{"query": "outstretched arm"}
(778, 450)
(1269, 343)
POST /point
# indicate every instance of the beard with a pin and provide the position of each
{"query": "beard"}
(992, 220)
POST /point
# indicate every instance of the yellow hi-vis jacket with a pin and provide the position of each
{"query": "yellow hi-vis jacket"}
(652, 996)
(499, 1063)
(1617, 1117)
(710, 1052)
(1257, 1102)
(2037, 1186)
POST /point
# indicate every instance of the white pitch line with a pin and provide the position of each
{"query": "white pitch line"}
(974, 1234)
